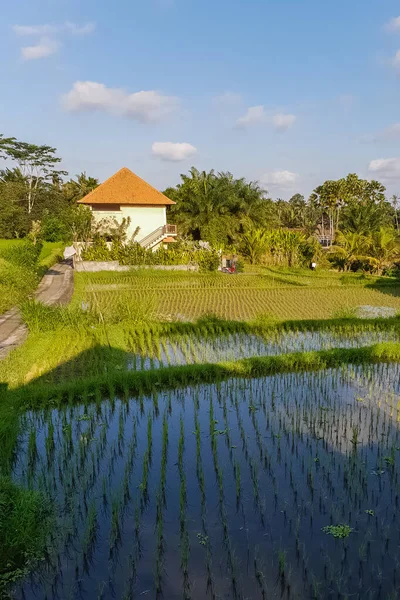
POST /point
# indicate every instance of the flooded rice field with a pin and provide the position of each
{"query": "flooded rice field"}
(191, 350)
(278, 487)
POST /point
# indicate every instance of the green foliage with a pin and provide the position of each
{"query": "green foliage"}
(279, 247)
(21, 265)
(374, 252)
(338, 531)
(24, 255)
(217, 207)
(25, 521)
(132, 253)
(97, 250)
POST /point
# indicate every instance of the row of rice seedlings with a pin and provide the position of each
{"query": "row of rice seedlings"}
(184, 535)
(204, 537)
(143, 486)
(293, 423)
(232, 563)
(348, 476)
(160, 504)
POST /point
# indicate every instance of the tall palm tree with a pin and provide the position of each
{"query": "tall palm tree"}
(384, 248)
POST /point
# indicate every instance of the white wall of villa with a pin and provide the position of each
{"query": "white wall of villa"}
(148, 218)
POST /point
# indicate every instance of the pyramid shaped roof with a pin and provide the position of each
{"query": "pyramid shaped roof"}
(124, 187)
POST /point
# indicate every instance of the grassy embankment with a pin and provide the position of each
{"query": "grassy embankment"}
(24, 514)
(18, 280)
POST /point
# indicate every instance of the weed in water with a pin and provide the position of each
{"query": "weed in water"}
(338, 531)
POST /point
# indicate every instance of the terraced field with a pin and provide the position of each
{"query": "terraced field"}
(187, 296)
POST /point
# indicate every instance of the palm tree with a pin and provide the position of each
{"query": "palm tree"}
(384, 248)
(79, 188)
(395, 203)
(349, 248)
(255, 244)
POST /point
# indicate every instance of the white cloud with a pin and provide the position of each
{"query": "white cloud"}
(257, 115)
(385, 168)
(45, 47)
(48, 35)
(173, 152)
(283, 122)
(393, 25)
(144, 106)
(283, 179)
(396, 60)
(44, 30)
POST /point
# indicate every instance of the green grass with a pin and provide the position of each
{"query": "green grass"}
(66, 343)
(25, 523)
(40, 394)
(18, 282)
(298, 294)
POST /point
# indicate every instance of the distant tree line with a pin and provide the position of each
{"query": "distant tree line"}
(34, 189)
(231, 214)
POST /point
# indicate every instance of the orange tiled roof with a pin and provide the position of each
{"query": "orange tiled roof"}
(126, 188)
(168, 240)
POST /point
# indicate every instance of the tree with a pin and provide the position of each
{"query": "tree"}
(292, 213)
(384, 248)
(349, 248)
(77, 189)
(332, 198)
(394, 200)
(37, 165)
(217, 207)
(254, 245)
(364, 217)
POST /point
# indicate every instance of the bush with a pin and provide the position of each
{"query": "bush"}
(208, 260)
(54, 229)
(98, 250)
(133, 253)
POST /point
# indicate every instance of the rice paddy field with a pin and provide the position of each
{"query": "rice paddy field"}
(223, 458)
(284, 295)
(277, 487)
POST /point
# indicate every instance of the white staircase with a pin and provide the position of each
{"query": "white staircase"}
(155, 237)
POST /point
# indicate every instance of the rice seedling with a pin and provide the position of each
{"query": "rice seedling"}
(279, 444)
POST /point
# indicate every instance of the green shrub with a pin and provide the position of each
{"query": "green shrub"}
(208, 260)
(54, 229)
(133, 253)
(98, 250)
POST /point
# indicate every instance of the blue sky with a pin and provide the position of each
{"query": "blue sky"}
(288, 92)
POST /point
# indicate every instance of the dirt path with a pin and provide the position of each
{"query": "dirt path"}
(56, 287)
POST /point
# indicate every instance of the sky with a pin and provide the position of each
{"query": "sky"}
(286, 92)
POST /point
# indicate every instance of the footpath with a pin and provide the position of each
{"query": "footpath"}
(56, 287)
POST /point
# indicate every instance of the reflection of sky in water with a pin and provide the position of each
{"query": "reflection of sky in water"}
(289, 437)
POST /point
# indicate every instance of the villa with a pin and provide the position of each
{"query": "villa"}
(127, 195)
